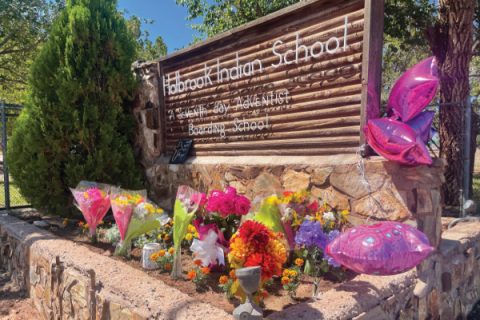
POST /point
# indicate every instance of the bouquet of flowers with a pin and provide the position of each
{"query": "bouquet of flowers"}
(186, 204)
(313, 240)
(123, 202)
(134, 216)
(224, 209)
(256, 245)
(92, 199)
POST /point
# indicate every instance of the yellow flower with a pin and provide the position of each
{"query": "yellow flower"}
(286, 273)
(285, 280)
(188, 236)
(196, 235)
(154, 256)
(171, 250)
(293, 273)
(191, 228)
(299, 262)
(272, 200)
(159, 237)
(161, 253)
(344, 215)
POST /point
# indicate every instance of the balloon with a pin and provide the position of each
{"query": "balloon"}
(384, 248)
(422, 125)
(414, 90)
(396, 141)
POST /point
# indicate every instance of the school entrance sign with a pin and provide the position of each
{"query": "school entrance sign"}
(301, 81)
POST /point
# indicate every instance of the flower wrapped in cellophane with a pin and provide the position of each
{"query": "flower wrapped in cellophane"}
(134, 216)
(256, 245)
(186, 204)
(93, 200)
(123, 203)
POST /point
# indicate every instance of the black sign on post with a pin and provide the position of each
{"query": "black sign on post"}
(181, 151)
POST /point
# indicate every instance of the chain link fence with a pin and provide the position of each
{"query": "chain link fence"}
(10, 195)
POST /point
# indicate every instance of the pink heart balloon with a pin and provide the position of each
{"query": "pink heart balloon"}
(384, 248)
(396, 141)
(414, 90)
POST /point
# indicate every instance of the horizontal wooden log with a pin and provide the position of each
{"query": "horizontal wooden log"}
(345, 141)
(277, 152)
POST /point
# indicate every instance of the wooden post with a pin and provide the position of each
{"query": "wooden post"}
(372, 65)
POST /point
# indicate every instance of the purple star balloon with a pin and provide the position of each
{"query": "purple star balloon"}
(384, 248)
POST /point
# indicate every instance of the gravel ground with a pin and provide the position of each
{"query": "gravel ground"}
(14, 305)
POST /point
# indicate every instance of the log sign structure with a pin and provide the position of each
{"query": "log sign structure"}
(257, 103)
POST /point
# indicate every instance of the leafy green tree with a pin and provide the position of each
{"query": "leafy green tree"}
(223, 15)
(23, 27)
(146, 49)
(75, 126)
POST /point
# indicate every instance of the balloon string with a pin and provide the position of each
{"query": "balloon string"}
(364, 181)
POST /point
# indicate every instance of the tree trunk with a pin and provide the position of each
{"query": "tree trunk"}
(451, 41)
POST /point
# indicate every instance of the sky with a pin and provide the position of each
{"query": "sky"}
(170, 20)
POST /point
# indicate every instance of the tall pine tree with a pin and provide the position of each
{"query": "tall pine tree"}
(75, 126)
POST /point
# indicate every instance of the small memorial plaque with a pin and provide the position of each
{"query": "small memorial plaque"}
(181, 151)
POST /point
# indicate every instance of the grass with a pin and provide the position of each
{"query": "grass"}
(16, 198)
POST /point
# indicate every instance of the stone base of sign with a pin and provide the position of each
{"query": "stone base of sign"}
(58, 276)
(373, 189)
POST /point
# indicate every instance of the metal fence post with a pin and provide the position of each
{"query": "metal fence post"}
(466, 152)
(6, 183)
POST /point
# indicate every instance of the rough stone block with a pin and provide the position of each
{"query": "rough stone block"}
(332, 197)
(375, 313)
(266, 184)
(350, 181)
(320, 175)
(295, 181)
(383, 205)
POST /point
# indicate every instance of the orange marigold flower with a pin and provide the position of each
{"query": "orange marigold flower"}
(171, 250)
(286, 273)
(285, 280)
(205, 270)
(168, 266)
(232, 274)
(198, 262)
(223, 279)
(161, 253)
(299, 262)
(166, 238)
(191, 275)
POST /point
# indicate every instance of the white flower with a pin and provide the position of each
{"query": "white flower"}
(329, 216)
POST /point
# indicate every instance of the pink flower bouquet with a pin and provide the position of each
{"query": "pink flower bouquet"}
(93, 200)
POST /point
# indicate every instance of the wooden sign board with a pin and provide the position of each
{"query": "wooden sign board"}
(297, 82)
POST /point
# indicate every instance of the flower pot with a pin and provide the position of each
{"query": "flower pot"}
(148, 250)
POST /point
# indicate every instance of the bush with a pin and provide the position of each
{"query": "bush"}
(74, 126)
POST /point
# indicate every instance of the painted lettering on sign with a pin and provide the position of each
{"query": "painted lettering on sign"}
(299, 54)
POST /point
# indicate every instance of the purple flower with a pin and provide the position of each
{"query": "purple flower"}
(311, 234)
(332, 235)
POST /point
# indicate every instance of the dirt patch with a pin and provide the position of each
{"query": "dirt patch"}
(14, 304)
